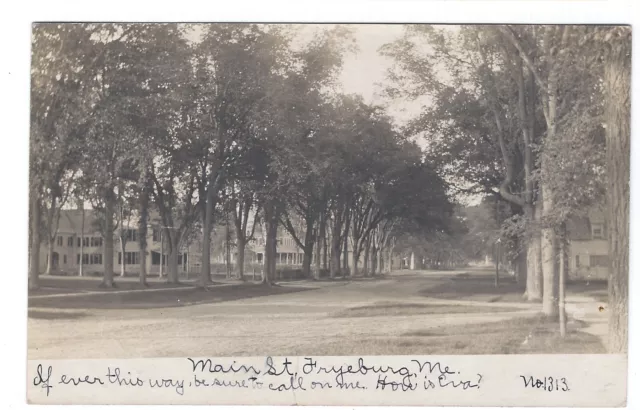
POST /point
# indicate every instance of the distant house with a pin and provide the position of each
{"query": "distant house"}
(589, 248)
(72, 241)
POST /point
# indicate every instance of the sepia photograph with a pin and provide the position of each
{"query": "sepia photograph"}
(252, 190)
(244, 189)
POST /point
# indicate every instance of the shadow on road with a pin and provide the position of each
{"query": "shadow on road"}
(410, 309)
(162, 299)
(55, 315)
(66, 285)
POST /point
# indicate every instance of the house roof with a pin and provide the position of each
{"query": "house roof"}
(579, 228)
(71, 220)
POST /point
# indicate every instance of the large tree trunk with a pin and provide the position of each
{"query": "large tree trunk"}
(318, 254)
(50, 245)
(110, 202)
(367, 249)
(51, 234)
(34, 253)
(172, 271)
(374, 260)
(562, 276)
(336, 242)
(617, 80)
(549, 262)
(271, 228)
(240, 259)
(81, 267)
(308, 247)
(123, 247)
(534, 267)
(345, 255)
(227, 248)
(325, 244)
(355, 260)
(345, 244)
(334, 266)
(205, 269)
(142, 234)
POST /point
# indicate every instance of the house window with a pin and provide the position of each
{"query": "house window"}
(130, 258)
(78, 259)
(96, 259)
(155, 258)
(601, 261)
(577, 261)
(156, 235)
(259, 256)
(131, 235)
(59, 240)
(597, 231)
(64, 259)
(70, 241)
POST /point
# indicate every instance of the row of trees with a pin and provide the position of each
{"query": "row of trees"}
(527, 113)
(215, 124)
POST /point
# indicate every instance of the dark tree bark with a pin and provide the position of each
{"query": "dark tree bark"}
(240, 259)
(617, 83)
(367, 249)
(142, 231)
(271, 228)
(51, 234)
(534, 267)
(34, 251)
(336, 241)
(110, 203)
(81, 267)
(318, 254)
(308, 249)
(172, 274)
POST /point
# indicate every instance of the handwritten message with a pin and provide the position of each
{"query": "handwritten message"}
(451, 380)
(277, 376)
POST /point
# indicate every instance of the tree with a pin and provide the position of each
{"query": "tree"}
(293, 133)
(479, 107)
(504, 119)
(617, 83)
(60, 87)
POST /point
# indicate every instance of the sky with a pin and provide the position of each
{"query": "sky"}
(364, 71)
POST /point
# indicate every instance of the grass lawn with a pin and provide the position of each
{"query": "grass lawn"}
(481, 288)
(524, 335)
(514, 336)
